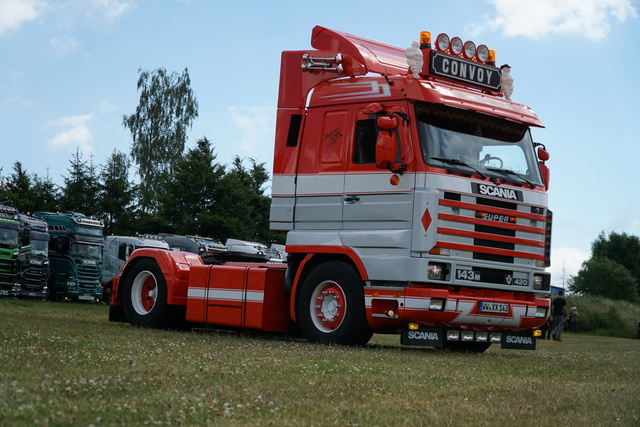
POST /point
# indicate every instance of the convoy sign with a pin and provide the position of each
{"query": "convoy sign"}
(467, 71)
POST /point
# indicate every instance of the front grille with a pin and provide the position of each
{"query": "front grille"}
(502, 231)
(8, 272)
(35, 278)
(88, 276)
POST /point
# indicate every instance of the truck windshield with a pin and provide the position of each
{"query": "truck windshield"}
(471, 142)
(40, 247)
(82, 250)
(9, 238)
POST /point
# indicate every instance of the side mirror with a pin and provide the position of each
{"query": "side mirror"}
(386, 148)
(543, 154)
(387, 122)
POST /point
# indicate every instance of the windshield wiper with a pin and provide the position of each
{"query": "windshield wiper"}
(510, 172)
(457, 162)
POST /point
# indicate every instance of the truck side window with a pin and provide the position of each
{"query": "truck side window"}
(122, 252)
(364, 145)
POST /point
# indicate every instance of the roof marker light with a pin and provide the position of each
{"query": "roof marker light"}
(442, 42)
(492, 58)
(425, 40)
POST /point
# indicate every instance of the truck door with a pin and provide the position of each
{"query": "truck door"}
(320, 181)
(378, 203)
(371, 201)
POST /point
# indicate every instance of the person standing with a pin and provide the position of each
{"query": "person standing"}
(559, 310)
(573, 319)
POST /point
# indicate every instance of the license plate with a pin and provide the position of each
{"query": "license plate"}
(86, 298)
(493, 307)
(3, 292)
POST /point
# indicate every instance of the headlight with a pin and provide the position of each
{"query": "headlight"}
(453, 335)
(482, 53)
(436, 271)
(456, 45)
(469, 49)
(541, 312)
(436, 304)
(442, 42)
(467, 336)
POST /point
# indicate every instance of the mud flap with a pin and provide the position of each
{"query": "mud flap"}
(433, 337)
(518, 341)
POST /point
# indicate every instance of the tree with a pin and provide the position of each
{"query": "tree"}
(159, 127)
(621, 248)
(80, 187)
(18, 188)
(45, 194)
(191, 191)
(601, 276)
(242, 208)
(115, 192)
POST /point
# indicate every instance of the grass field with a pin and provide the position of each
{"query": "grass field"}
(63, 364)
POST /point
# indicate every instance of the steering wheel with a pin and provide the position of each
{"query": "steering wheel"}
(488, 158)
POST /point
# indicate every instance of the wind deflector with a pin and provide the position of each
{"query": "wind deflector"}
(376, 56)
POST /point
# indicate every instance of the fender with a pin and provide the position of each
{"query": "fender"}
(312, 252)
(175, 266)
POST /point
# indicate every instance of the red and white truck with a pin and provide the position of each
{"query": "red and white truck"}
(414, 200)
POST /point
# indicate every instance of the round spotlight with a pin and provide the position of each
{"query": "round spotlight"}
(442, 42)
(482, 53)
(456, 45)
(469, 49)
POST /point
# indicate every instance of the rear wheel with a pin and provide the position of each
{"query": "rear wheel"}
(145, 295)
(331, 306)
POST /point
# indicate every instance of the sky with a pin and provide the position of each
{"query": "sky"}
(68, 73)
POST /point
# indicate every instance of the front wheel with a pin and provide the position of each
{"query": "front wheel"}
(331, 306)
(145, 295)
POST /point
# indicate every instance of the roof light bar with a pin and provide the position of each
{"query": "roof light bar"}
(455, 46)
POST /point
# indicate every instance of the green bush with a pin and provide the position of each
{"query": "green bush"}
(606, 317)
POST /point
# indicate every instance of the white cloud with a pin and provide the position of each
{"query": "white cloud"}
(26, 103)
(73, 132)
(15, 13)
(540, 18)
(566, 262)
(255, 125)
(64, 45)
(91, 13)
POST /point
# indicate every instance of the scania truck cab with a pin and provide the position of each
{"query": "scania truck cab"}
(75, 253)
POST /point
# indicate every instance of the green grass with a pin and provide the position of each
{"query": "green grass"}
(63, 364)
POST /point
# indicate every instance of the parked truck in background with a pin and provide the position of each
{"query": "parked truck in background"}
(12, 254)
(24, 262)
(34, 277)
(414, 200)
(75, 252)
(117, 250)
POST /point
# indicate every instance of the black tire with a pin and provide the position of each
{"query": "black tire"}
(145, 295)
(331, 307)
(466, 347)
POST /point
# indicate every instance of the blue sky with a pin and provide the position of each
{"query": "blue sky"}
(68, 72)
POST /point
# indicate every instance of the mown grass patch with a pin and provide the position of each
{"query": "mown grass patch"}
(63, 364)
